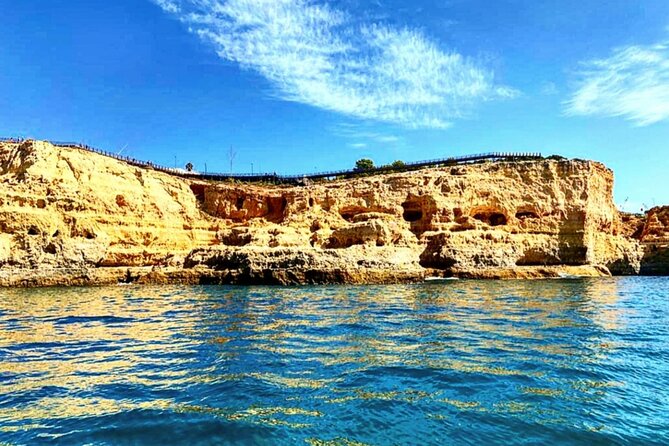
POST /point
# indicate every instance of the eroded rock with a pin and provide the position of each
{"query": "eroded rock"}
(69, 209)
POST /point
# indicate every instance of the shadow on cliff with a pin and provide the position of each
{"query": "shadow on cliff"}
(655, 260)
(572, 249)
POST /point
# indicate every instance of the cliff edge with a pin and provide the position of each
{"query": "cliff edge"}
(69, 216)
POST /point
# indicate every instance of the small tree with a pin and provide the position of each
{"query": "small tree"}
(364, 164)
(189, 167)
(398, 164)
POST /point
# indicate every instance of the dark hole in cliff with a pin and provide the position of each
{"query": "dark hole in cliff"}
(457, 212)
(239, 204)
(41, 204)
(56, 234)
(198, 191)
(50, 248)
(491, 218)
(497, 219)
(33, 231)
(311, 202)
(526, 214)
(412, 215)
(412, 211)
(234, 238)
(638, 232)
(349, 212)
(89, 235)
(276, 209)
(430, 259)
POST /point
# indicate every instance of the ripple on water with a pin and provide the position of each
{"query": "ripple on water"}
(461, 362)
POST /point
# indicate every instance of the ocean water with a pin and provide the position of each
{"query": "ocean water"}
(456, 362)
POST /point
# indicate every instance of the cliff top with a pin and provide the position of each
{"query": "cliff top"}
(35, 147)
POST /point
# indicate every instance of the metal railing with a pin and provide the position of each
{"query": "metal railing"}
(297, 179)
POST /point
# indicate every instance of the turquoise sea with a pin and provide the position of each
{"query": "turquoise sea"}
(459, 362)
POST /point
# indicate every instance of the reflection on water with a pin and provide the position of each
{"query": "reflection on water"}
(578, 361)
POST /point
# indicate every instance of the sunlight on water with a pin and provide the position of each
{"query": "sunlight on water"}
(461, 362)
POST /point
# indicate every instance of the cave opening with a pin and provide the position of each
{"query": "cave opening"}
(276, 208)
(348, 213)
(412, 211)
(492, 218)
(497, 219)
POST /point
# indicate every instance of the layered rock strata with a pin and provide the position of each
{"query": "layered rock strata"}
(87, 218)
(651, 230)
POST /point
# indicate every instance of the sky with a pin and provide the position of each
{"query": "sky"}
(293, 86)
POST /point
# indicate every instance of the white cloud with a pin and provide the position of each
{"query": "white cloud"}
(168, 5)
(358, 145)
(632, 83)
(318, 55)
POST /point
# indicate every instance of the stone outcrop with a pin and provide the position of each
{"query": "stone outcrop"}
(652, 232)
(75, 213)
(64, 207)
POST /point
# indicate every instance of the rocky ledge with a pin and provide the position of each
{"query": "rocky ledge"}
(72, 217)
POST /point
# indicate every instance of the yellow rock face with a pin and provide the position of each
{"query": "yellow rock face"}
(68, 208)
(653, 233)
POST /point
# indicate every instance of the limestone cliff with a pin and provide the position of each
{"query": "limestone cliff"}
(71, 212)
(652, 232)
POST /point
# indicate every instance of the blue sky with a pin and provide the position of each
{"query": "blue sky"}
(296, 85)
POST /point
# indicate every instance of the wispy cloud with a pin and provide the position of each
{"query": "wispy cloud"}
(315, 54)
(632, 83)
(358, 145)
(168, 5)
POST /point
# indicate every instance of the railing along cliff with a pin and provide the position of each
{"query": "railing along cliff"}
(299, 179)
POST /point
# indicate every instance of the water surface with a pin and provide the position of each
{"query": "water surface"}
(458, 362)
